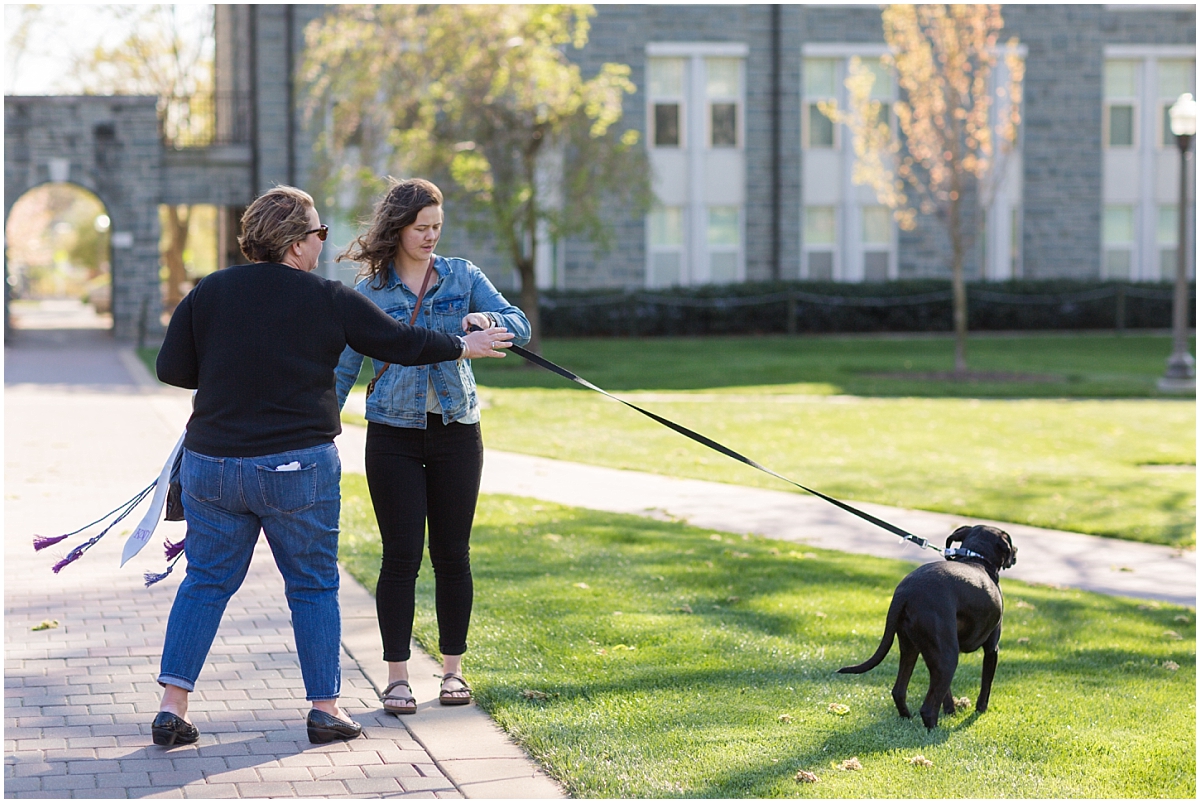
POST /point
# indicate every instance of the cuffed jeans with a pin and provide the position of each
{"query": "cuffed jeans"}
(227, 501)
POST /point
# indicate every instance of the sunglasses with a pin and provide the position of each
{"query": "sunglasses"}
(321, 232)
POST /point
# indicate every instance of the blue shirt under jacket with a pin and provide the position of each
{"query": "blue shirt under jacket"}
(399, 397)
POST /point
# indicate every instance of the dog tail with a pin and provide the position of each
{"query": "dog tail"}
(885, 644)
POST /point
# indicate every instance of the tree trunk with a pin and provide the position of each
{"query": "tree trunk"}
(177, 234)
(529, 303)
(960, 287)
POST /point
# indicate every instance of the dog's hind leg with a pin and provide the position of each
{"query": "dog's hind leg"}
(991, 655)
(942, 665)
(908, 660)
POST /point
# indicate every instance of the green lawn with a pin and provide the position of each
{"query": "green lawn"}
(639, 658)
(1097, 451)
(1069, 365)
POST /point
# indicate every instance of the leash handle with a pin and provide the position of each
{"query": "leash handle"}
(411, 322)
(541, 361)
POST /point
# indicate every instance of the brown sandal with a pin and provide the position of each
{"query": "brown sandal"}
(447, 696)
(399, 703)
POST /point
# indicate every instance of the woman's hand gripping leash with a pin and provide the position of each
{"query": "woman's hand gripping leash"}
(484, 340)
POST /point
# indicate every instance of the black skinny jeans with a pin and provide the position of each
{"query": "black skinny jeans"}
(416, 474)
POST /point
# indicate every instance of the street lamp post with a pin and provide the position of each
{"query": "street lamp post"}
(1181, 367)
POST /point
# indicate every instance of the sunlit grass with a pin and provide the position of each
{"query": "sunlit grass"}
(639, 658)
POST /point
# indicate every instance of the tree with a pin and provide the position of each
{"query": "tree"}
(161, 55)
(484, 99)
(949, 127)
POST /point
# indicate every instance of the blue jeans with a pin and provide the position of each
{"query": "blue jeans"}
(227, 500)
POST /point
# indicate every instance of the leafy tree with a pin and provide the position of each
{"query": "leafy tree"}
(161, 55)
(485, 100)
(952, 138)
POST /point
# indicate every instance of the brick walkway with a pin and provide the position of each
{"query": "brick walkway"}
(80, 694)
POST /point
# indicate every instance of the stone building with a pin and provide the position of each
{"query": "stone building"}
(752, 182)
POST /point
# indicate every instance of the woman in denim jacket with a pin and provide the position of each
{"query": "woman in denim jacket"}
(424, 452)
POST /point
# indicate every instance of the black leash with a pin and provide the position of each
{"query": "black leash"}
(537, 359)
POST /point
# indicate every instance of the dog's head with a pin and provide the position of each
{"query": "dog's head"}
(993, 543)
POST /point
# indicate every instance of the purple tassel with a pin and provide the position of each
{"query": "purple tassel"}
(74, 554)
(40, 542)
(172, 550)
(151, 577)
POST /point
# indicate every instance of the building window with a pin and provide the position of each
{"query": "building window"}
(883, 89)
(666, 100)
(1120, 93)
(876, 242)
(1119, 239)
(666, 246)
(724, 243)
(820, 85)
(695, 110)
(820, 241)
(1175, 76)
(723, 89)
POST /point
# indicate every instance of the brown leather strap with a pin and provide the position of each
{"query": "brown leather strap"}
(411, 321)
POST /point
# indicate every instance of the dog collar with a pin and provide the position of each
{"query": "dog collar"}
(951, 554)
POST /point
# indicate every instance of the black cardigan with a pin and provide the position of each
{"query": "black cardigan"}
(261, 341)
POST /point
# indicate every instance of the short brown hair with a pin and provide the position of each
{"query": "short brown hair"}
(276, 219)
(398, 208)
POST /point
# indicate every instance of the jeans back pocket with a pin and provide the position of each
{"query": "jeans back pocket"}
(201, 476)
(288, 491)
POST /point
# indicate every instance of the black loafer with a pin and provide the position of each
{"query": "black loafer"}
(324, 728)
(169, 729)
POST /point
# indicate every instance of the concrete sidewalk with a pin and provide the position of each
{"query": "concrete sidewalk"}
(85, 428)
(1053, 557)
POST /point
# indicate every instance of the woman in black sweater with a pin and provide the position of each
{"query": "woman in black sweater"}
(259, 343)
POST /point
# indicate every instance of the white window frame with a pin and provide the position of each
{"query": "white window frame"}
(739, 110)
(697, 117)
(808, 106)
(1146, 258)
(831, 248)
(1132, 101)
(654, 100)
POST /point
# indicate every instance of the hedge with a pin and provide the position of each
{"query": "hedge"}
(830, 307)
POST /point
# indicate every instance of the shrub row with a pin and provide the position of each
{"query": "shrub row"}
(829, 307)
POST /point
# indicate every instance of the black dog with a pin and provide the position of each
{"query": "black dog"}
(942, 609)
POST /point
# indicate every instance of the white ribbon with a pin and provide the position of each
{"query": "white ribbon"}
(149, 522)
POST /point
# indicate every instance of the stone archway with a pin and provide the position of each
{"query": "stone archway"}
(57, 241)
(111, 147)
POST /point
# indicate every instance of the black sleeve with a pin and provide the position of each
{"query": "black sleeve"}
(373, 333)
(177, 363)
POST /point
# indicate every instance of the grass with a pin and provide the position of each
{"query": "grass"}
(640, 658)
(1089, 458)
(1073, 366)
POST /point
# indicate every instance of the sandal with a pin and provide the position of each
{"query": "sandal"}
(448, 696)
(399, 703)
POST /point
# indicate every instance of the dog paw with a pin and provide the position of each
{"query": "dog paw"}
(919, 761)
(962, 703)
(804, 776)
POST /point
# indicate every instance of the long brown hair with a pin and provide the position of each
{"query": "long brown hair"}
(398, 208)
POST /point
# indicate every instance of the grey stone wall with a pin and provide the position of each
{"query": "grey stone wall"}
(112, 148)
(1061, 132)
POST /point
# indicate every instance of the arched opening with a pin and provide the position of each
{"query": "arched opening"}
(58, 259)
(188, 249)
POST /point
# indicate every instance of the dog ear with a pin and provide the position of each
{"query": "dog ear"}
(1010, 559)
(958, 535)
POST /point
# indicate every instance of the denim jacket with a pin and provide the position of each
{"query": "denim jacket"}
(399, 396)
